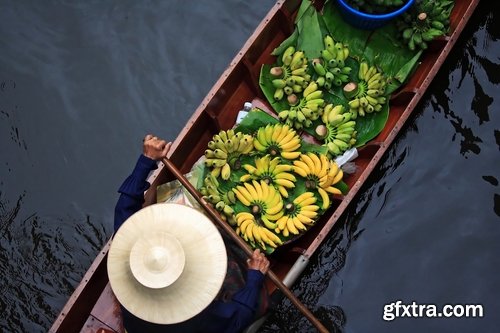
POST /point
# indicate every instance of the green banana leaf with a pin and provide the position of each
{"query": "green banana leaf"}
(371, 125)
(310, 33)
(379, 47)
(255, 119)
(342, 186)
(341, 31)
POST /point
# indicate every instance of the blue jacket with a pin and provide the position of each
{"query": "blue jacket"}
(229, 317)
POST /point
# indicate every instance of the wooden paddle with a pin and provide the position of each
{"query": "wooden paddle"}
(229, 230)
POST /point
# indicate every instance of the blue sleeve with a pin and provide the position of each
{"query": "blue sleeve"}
(132, 190)
(244, 302)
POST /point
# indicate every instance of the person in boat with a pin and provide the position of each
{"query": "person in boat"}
(218, 297)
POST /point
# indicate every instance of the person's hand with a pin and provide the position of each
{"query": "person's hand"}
(258, 261)
(155, 148)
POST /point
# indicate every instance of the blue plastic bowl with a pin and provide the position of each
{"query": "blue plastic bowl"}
(369, 21)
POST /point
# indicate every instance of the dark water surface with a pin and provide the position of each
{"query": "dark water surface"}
(81, 82)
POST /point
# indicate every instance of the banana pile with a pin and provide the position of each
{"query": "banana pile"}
(272, 172)
(253, 231)
(321, 174)
(291, 77)
(338, 131)
(299, 214)
(263, 203)
(331, 68)
(278, 139)
(265, 207)
(224, 151)
(306, 109)
(222, 201)
(366, 96)
(425, 21)
(376, 6)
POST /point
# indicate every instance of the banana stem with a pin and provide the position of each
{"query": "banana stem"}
(422, 17)
(421, 20)
(292, 99)
(350, 90)
(244, 246)
(321, 130)
(276, 71)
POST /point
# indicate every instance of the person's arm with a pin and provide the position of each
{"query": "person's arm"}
(243, 305)
(132, 190)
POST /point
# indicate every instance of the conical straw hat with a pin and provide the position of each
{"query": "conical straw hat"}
(167, 263)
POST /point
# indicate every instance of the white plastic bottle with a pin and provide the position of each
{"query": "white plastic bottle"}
(247, 106)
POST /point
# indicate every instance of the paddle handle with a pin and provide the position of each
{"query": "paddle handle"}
(229, 230)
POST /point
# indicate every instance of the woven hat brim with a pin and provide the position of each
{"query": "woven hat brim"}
(201, 279)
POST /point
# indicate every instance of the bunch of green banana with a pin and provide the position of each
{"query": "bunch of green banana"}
(252, 231)
(272, 172)
(292, 76)
(321, 174)
(224, 150)
(331, 68)
(338, 130)
(425, 21)
(278, 139)
(376, 6)
(265, 208)
(367, 95)
(335, 115)
(222, 201)
(299, 214)
(307, 109)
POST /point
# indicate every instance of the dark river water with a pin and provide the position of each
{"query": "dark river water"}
(81, 82)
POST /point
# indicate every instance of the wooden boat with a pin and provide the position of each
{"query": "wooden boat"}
(93, 305)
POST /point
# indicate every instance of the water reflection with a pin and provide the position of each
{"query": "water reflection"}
(27, 245)
(8, 214)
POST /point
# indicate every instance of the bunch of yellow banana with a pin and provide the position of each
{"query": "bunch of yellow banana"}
(272, 172)
(331, 68)
(252, 231)
(278, 139)
(291, 77)
(299, 214)
(338, 131)
(262, 199)
(224, 151)
(221, 200)
(307, 108)
(367, 95)
(265, 207)
(320, 173)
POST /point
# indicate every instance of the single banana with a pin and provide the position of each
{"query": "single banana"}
(226, 171)
(287, 55)
(306, 195)
(298, 224)
(324, 197)
(313, 86)
(290, 155)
